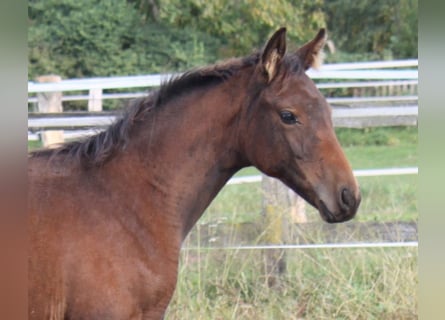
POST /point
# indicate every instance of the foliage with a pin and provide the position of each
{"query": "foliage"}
(381, 30)
(243, 25)
(163, 49)
(404, 37)
(82, 38)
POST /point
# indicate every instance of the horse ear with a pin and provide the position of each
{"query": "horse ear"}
(311, 53)
(272, 54)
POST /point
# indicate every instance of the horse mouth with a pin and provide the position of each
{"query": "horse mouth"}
(308, 193)
(330, 217)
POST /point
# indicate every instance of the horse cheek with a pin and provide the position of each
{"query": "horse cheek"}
(271, 146)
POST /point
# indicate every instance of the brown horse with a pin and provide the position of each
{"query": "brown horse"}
(108, 214)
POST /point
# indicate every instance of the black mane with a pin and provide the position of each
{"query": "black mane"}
(202, 78)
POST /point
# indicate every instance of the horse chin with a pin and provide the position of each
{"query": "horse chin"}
(311, 196)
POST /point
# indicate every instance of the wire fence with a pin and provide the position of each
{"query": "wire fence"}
(357, 173)
(364, 245)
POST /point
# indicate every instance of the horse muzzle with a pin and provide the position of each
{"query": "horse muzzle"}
(347, 204)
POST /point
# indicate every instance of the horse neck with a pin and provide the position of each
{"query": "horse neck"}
(186, 151)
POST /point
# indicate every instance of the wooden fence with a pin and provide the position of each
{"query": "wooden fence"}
(377, 94)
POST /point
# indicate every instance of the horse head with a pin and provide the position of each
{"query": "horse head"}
(289, 131)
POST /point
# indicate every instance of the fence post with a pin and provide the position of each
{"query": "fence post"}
(281, 208)
(50, 102)
(95, 100)
(297, 208)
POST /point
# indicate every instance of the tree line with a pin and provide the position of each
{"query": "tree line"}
(87, 38)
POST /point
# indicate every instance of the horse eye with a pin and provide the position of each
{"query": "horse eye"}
(288, 117)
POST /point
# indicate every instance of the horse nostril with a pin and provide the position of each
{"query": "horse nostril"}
(348, 198)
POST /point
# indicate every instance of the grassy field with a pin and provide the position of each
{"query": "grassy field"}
(32, 145)
(368, 284)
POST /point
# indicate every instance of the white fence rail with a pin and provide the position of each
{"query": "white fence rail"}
(331, 85)
(360, 245)
(409, 63)
(156, 80)
(328, 71)
(357, 173)
(371, 74)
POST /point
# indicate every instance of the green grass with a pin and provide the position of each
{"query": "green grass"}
(379, 136)
(32, 145)
(388, 198)
(372, 157)
(368, 284)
